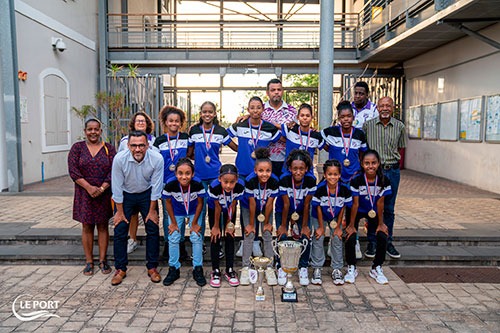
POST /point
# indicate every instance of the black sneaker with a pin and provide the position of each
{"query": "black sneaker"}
(173, 274)
(183, 255)
(370, 250)
(392, 252)
(199, 277)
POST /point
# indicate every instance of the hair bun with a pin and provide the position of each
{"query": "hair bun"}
(262, 153)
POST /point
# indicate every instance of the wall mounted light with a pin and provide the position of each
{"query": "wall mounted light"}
(58, 44)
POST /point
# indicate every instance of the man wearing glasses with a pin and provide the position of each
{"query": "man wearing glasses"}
(136, 183)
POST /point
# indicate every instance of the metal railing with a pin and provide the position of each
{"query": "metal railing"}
(206, 31)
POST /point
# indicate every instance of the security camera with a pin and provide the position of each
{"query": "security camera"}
(58, 44)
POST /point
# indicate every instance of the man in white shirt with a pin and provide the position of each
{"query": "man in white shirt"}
(363, 108)
(136, 183)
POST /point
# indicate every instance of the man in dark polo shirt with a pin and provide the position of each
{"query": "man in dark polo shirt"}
(387, 136)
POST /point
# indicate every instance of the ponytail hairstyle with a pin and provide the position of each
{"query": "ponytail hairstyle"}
(332, 163)
(215, 121)
(380, 174)
(300, 155)
(256, 98)
(306, 106)
(228, 169)
(262, 155)
(182, 161)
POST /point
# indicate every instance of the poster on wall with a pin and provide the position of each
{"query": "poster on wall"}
(493, 118)
(414, 122)
(470, 119)
(430, 121)
(448, 121)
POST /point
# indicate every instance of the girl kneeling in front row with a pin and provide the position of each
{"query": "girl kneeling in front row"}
(368, 192)
(329, 204)
(184, 201)
(261, 187)
(224, 192)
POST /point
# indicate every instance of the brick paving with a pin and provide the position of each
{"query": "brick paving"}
(91, 304)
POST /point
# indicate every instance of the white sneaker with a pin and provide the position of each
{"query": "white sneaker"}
(271, 276)
(329, 249)
(131, 245)
(244, 277)
(338, 277)
(304, 276)
(378, 274)
(357, 248)
(239, 253)
(316, 278)
(352, 273)
(257, 252)
(281, 277)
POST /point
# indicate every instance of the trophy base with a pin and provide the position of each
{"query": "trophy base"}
(288, 296)
(260, 297)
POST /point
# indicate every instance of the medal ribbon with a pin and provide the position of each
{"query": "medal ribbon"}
(171, 152)
(254, 141)
(262, 197)
(329, 201)
(346, 148)
(308, 138)
(370, 192)
(208, 143)
(185, 199)
(229, 206)
(294, 196)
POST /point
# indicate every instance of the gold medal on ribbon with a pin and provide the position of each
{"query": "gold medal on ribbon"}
(333, 224)
(230, 226)
(253, 155)
(295, 216)
(171, 167)
(347, 162)
(207, 159)
(261, 218)
(372, 213)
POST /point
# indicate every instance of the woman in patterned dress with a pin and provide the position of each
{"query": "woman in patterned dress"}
(89, 164)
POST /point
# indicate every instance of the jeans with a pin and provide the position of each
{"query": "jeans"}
(175, 238)
(133, 203)
(318, 250)
(166, 221)
(248, 240)
(304, 258)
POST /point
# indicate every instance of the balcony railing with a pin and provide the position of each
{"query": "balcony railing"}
(200, 31)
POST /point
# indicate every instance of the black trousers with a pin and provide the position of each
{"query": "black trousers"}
(228, 241)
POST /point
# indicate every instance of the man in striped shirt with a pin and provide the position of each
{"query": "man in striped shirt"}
(387, 136)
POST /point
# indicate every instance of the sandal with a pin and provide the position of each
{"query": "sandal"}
(89, 269)
(105, 269)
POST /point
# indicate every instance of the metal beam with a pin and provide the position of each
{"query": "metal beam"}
(474, 34)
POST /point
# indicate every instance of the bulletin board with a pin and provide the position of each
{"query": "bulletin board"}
(448, 121)
(430, 113)
(493, 119)
(471, 119)
(414, 122)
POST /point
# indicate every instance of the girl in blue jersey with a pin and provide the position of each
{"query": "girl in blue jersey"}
(368, 192)
(261, 187)
(301, 135)
(329, 203)
(184, 199)
(205, 142)
(224, 192)
(252, 133)
(173, 146)
(297, 187)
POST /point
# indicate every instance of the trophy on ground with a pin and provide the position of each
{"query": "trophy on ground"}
(289, 253)
(261, 264)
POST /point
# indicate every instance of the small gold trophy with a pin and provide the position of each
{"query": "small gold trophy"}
(261, 264)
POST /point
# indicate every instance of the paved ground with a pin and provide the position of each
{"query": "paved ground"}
(91, 304)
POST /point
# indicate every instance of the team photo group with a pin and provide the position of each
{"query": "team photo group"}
(271, 184)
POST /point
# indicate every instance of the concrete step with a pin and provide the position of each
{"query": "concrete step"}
(410, 255)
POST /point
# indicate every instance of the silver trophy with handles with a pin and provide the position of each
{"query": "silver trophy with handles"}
(289, 253)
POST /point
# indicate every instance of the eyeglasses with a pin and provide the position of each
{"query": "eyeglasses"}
(140, 121)
(140, 146)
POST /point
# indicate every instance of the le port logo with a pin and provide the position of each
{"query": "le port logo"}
(25, 308)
